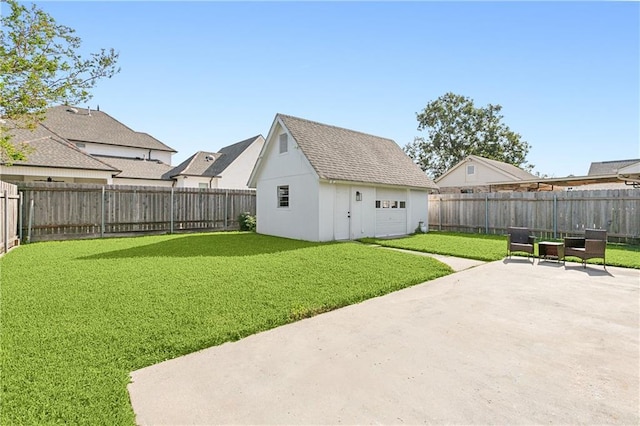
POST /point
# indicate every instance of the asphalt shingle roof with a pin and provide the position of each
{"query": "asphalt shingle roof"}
(50, 150)
(199, 164)
(336, 153)
(78, 124)
(609, 167)
(212, 164)
(134, 168)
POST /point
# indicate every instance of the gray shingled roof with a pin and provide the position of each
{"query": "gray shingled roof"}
(199, 164)
(77, 124)
(50, 150)
(341, 154)
(137, 168)
(506, 167)
(609, 167)
(202, 164)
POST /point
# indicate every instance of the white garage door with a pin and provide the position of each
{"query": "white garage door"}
(391, 212)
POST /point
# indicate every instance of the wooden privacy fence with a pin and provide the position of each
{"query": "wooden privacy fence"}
(9, 201)
(547, 214)
(54, 211)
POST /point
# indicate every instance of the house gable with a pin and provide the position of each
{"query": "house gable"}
(478, 171)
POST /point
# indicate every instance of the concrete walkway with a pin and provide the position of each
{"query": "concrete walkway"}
(504, 342)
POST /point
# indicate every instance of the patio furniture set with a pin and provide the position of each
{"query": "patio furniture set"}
(590, 246)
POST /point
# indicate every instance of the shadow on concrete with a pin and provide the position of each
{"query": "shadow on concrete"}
(519, 260)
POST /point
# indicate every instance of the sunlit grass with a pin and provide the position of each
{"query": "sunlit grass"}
(77, 317)
(493, 247)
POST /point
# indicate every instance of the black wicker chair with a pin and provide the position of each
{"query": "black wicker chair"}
(592, 246)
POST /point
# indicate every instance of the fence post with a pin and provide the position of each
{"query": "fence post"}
(171, 212)
(30, 220)
(486, 214)
(102, 214)
(440, 213)
(555, 216)
(20, 212)
(226, 208)
(5, 225)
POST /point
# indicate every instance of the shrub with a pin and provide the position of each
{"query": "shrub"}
(247, 222)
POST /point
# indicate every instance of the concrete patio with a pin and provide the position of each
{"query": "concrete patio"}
(504, 342)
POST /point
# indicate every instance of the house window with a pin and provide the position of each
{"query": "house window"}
(203, 185)
(389, 204)
(471, 170)
(284, 143)
(283, 196)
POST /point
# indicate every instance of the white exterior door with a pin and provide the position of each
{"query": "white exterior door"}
(391, 212)
(342, 213)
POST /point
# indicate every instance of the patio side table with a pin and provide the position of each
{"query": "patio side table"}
(550, 250)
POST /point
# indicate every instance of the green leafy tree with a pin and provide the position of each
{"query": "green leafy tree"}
(456, 128)
(40, 67)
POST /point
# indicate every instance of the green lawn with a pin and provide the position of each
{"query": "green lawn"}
(493, 247)
(77, 317)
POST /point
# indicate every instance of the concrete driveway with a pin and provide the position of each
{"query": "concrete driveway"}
(505, 342)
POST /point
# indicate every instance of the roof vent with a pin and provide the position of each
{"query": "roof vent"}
(72, 110)
(209, 158)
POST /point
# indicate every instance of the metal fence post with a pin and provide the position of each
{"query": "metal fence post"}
(555, 216)
(102, 214)
(5, 225)
(486, 214)
(30, 220)
(20, 212)
(171, 212)
(226, 208)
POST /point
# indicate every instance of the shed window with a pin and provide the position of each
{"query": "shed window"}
(283, 196)
(284, 143)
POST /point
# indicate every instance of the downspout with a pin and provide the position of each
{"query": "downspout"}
(211, 180)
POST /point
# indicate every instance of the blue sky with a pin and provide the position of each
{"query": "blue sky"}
(203, 75)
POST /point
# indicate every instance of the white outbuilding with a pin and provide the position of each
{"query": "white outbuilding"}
(318, 182)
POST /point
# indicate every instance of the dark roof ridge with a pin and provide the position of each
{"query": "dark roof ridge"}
(335, 127)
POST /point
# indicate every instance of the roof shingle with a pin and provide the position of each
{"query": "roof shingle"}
(79, 124)
(50, 150)
(336, 153)
(609, 167)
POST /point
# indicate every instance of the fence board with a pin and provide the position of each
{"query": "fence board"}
(9, 205)
(67, 211)
(547, 214)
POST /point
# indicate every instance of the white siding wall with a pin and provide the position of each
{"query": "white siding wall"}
(236, 175)
(31, 174)
(483, 174)
(299, 220)
(418, 210)
(195, 181)
(142, 182)
(127, 152)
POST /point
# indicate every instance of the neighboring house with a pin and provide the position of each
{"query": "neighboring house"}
(100, 134)
(476, 174)
(320, 183)
(229, 168)
(630, 174)
(52, 158)
(127, 157)
(607, 168)
(77, 145)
